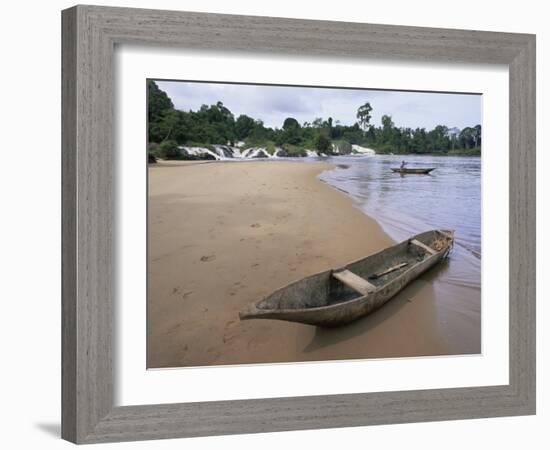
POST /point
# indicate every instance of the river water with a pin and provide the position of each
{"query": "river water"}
(404, 205)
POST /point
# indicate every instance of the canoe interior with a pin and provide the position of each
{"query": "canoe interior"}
(323, 289)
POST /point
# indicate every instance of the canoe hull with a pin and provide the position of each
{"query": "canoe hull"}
(345, 312)
(413, 171)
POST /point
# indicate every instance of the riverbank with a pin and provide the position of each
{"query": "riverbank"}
(223, 235)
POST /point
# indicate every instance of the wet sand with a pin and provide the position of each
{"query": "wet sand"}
(222, 235)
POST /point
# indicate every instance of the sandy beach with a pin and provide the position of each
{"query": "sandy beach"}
(224, 234)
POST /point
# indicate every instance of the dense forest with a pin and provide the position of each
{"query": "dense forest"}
(169, 129)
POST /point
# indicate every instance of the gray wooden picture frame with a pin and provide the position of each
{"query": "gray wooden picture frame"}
(90, 34)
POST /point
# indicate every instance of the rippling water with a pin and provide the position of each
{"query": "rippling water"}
(448, 198)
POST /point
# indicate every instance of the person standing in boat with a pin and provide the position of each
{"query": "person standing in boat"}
(403, 164)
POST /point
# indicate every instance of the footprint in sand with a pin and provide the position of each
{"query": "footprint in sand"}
(208, 258)
(177, 291)
(230, 332)
(255, 225)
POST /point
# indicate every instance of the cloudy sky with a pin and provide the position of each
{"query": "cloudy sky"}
(273, 104)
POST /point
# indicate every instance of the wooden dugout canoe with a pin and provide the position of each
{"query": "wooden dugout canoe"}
(418, 171)
(337, 297)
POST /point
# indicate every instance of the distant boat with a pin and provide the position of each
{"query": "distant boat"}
(337, 297)
(410, 170)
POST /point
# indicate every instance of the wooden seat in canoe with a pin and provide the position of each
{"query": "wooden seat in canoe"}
(355, 282)
(423, 246)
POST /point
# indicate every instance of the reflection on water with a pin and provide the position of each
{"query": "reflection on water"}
(448, 198)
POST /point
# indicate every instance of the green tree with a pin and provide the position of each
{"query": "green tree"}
(387, 129)
(291, 133)
(477, 135)
(158, 102)
(322, 144)
(159, 108)
(163, 127)
(243, 126)
(466, 138)
(363, 115)
(169, 150)
(317, 122)
(214, 124)
(387, 122)
(438, 139)
(290, 123)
